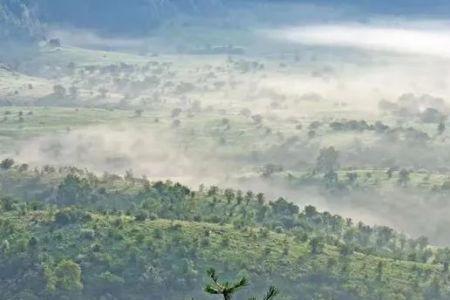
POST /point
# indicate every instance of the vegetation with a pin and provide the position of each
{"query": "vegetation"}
(200, 93)
(67, 233)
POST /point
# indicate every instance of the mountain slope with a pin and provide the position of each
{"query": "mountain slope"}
(123, 17)
(18, 22)
(66, 233)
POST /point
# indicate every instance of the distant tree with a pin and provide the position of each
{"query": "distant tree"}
(283, 207)
(54, 43)
(422, 242)
(327, 160)
(346, 250)
(7, 163)
(176, 112)
(73, 92)
(316, 244)
(138, 113)
(390, 172)
(403, 177)
(257, 119)
(73, 189)
(431, 115)
(32, 243)
(67, 276)
(331, 179)
(176, 123)
(380, 267)
(314, 125)
(441, 128)
(213, 190)
(229, 195)
(352, 177)
(260, 198)
(310, 211)
(269, 169)
(59, 91)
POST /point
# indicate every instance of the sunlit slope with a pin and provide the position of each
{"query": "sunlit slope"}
(68, 233)
(134, 259)
(15, 86)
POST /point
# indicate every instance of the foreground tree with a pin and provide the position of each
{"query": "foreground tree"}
(227, 289)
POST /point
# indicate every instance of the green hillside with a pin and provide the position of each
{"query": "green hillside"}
(68, 234)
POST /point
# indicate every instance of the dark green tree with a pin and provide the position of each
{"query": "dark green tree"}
(227, 289)
(271, 294)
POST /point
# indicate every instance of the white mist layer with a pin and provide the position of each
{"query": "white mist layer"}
(383, 38)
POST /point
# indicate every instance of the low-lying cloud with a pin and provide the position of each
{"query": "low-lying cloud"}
(433, 40)
(123, 148)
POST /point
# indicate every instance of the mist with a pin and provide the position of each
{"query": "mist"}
(347, 69)
(402, 38)
(298, 145)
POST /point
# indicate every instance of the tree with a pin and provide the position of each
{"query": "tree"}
(431, 115)
(260, 198)
(441, 128)
(59, 91)
(271, 294)
(67, 276)
(7, 163)
(257, 119)
(138, 113)
(380, 267)
(227, 290)
(74, 189)
(390, 172)
(403, 177)
(316, 245)
(73, 92)
(352, 177)
(54, 43)
(176, 112)
(327, 160)
(229, 195)
(269, 169)
(331, 179)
